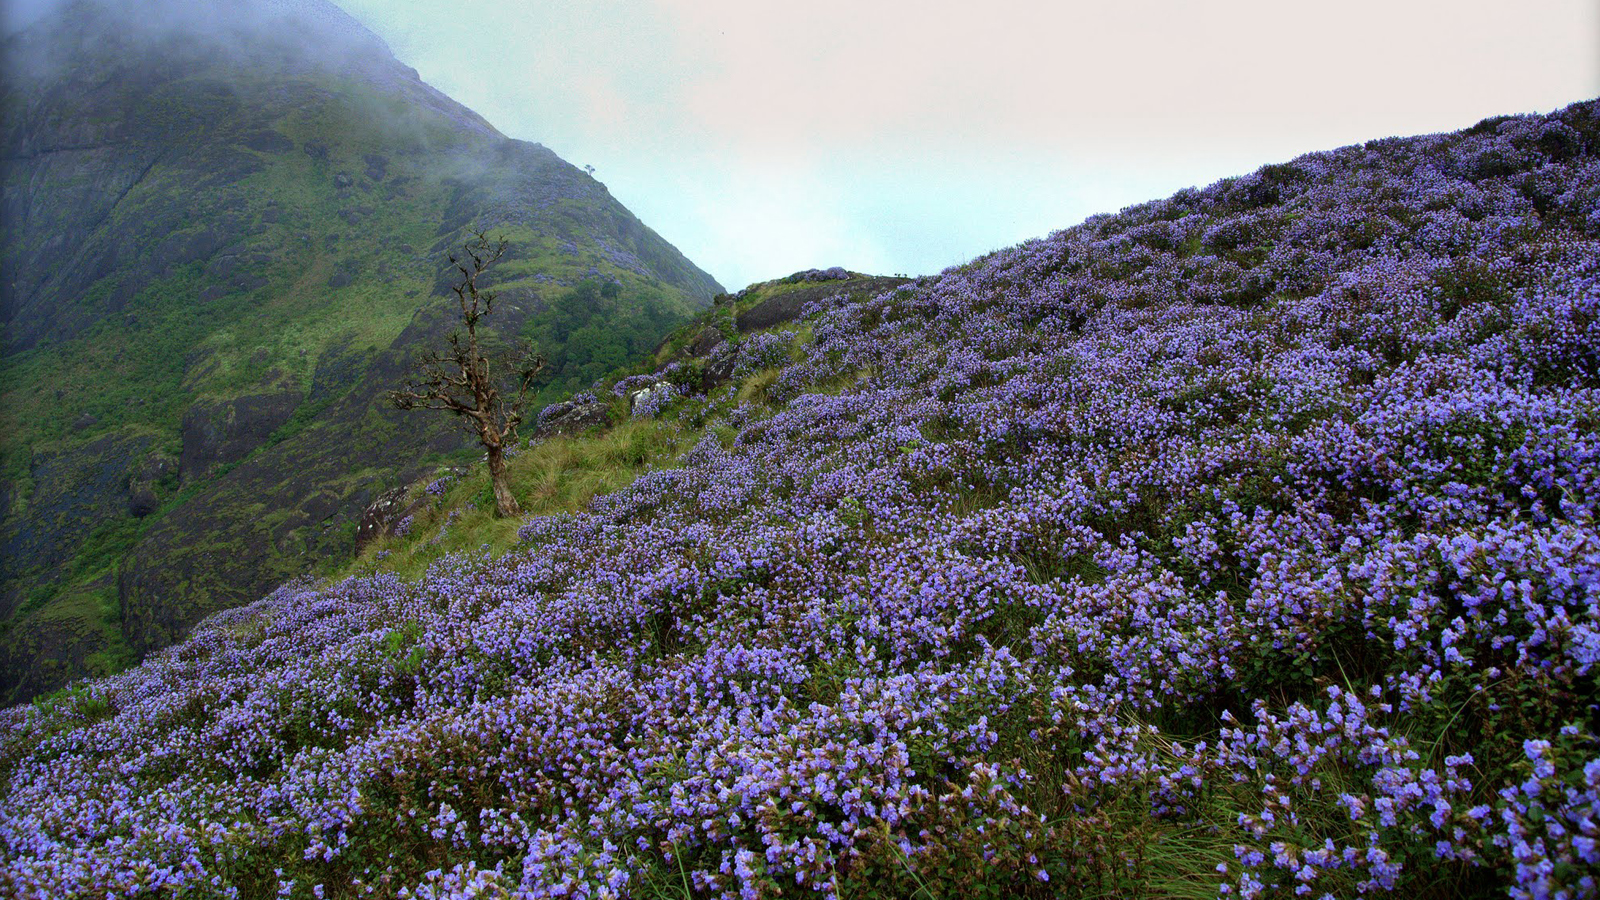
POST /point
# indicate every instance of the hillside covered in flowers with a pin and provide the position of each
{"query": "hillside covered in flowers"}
(1240, 544)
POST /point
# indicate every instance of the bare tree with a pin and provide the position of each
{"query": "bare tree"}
(488, 392)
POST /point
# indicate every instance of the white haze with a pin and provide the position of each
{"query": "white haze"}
(309, 32)
(892, 136)
(899, 136)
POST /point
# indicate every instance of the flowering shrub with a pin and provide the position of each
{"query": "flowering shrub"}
(555, 411)
(761, 351)
(650, 401)
(833, 273)
(1151, 557)
(633, 383)
(550, 413)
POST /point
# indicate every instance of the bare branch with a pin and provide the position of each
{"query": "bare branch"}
(461, 379)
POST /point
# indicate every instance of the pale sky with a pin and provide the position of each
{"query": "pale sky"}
(890, 136)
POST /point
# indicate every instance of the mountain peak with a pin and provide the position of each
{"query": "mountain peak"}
(91, 60)
(274, 33)
(223, 224)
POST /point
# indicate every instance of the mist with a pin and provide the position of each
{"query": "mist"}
(48, 38)
(763, 139)
(15, 15)
(888, 136)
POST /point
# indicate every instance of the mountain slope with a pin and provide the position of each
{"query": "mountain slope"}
(1241, 543)
(224, 233)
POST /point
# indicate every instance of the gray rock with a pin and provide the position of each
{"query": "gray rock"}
(646, 400)
(571, 418)
(707, 340)
(320, 507)
(788, 306)
(143, 480)
(155, 467)
(74, 490)
(380, 514)
(719, 367)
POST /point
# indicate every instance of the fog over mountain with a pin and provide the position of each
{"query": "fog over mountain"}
(881, 135)
(224, 235)
(53, 36)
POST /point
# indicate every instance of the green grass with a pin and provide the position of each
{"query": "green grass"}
(564, 474)
(723, 315)
(755, 388)
(560, 475)
(136, 370)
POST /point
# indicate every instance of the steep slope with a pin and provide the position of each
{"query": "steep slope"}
(1241, 543)
(225, 226)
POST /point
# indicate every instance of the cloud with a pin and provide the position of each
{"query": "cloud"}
(927, 132)
(16, 15)
(45, 35)
(921, 133)
(1062, 74)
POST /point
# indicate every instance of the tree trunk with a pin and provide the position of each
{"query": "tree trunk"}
(505, 505)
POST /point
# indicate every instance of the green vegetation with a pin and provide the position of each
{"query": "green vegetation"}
(286, 275)
(563, 474)
(723, 313)
(596, 328)
(559, 475)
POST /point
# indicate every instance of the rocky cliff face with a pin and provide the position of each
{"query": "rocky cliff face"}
(224, 230)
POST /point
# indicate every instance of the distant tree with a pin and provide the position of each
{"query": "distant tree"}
(487, 391)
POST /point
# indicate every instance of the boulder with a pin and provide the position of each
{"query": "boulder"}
(787, 307)
(775, 311)
(571, 417)
(648, 400)
(379, 515)
(718, 367)
(706, 341)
